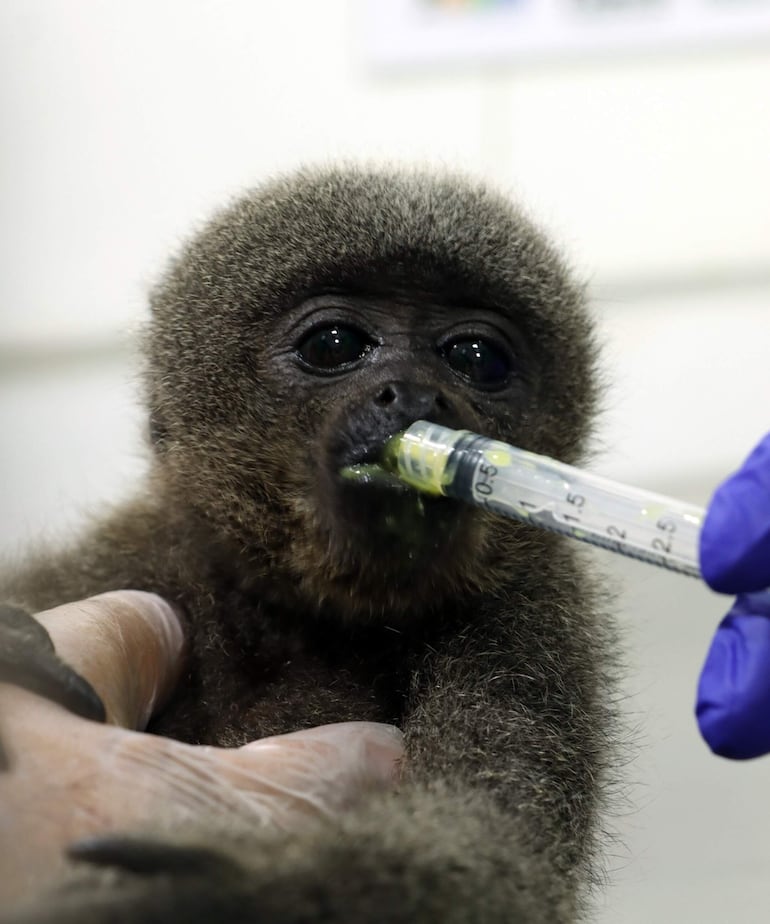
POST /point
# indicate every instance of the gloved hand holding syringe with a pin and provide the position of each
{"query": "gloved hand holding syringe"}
(729, 548)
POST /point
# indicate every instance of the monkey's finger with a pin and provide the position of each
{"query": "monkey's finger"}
(317, 771)
(28, 659)
(129, 645)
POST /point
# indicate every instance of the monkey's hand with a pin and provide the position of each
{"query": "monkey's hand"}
(419, 856)
(68, 779)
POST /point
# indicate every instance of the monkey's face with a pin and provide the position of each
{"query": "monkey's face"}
(352, 371)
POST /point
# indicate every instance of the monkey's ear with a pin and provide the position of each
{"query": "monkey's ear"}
(158, 431)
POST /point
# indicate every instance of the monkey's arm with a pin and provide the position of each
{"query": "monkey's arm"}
(429, 854)
(519, 706)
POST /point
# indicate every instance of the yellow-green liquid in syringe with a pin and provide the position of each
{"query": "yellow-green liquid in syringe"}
(516, 483)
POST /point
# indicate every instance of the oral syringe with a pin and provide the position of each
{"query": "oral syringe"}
(538, 490)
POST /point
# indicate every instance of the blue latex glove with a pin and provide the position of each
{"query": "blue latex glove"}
(733, 705)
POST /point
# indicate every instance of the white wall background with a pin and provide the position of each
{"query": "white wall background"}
(124, 123)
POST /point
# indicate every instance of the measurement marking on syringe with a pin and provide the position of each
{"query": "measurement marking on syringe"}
(637, 523)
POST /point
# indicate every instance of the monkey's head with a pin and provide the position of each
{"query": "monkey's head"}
(324, 312)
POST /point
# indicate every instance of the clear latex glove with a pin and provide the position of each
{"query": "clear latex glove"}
(733, 701)
(69, 779)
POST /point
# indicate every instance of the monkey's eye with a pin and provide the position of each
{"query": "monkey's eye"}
(482, 362)
(333, 347)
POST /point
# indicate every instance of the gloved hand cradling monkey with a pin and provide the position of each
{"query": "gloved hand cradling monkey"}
(68, 779)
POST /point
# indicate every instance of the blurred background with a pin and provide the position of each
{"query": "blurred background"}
(637, 132)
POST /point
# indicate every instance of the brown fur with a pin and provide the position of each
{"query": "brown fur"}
(493, 655)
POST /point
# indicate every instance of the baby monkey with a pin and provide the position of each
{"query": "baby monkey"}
(301, 328)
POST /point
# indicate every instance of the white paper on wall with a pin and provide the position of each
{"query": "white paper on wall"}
(408, 33)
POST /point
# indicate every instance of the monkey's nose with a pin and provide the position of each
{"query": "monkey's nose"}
(412, 400)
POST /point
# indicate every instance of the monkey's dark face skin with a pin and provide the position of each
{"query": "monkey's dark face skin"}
(367, 367)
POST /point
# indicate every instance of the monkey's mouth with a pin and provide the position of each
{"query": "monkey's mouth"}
(382, 509)
(364, 468)
(372, 474)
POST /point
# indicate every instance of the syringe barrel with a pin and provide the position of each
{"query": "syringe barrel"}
(550, 494)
